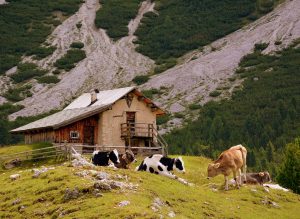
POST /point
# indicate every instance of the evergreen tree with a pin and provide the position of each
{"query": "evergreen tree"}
(289, 172)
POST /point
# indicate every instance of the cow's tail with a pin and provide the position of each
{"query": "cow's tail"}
(140, 167)
(244, 157)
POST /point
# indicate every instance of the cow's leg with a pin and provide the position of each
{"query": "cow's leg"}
(240, 177)
(168, 174)
(226, 182)
(235, 179)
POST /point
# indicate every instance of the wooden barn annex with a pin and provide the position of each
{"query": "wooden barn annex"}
(119, 118)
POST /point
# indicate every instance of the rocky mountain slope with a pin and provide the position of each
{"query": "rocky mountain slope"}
(113, 64)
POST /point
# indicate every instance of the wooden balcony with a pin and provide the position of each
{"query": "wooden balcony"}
(137, 130)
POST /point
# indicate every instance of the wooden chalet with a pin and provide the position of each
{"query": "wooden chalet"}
(118, 118)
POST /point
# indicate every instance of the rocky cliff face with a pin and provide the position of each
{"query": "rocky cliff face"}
(114, 64)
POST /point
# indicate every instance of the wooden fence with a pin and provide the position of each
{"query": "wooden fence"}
(63, 151)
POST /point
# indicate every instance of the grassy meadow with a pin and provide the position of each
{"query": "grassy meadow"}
(43, 196)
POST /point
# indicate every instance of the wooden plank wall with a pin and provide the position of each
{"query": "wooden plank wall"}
(39, 136)
(63, 134)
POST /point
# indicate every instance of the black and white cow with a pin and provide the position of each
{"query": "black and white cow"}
(161, 165)
(102, 158)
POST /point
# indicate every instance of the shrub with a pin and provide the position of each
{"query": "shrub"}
(278, 42)
(56, 72)
(26, 71)
(215, 93)
(179, 115)
(77, 45)
(79, 25)
(163, 119)
(48, 79)
(140, 79)
(18, 94)
(194, 106)
(68, 61)
(151, 92)
(41, 52)
(260, 46)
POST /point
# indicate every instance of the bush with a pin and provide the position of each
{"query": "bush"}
(194, 106)
(215, 93)
(260, 46)
(77, 45)
(169, 63)
(41, 52)
(18, 94)
(179, 115)
(26, 71)
(141, 79)
(56, 72)
(48, 79)
(163, 119)
(151, 92)
(68, 61)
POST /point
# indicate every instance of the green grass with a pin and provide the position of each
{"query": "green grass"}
(43, 196)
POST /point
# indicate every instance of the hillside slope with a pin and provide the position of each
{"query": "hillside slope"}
(114, 64)
(108, 63)
(201, 72)
(146, 196)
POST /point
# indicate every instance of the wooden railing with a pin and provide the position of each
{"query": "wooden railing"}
(145, 130)
(137, 130)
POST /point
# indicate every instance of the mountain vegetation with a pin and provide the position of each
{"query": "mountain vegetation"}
(24, 26)
(114, 16)
(264, 115)
(180, 26)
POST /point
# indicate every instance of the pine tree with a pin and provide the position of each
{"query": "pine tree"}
(289, 172)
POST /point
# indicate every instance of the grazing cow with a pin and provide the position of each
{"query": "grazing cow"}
(258, 178)
(126, 159)
(231, 160)
(101, 158)
(159, 164)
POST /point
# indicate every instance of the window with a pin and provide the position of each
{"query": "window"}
(74, 134)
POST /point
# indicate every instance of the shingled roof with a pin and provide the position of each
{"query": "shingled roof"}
(81, 108)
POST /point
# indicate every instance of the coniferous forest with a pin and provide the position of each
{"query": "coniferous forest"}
(264, 115)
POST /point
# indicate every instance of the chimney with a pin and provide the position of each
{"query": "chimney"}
(94, 96)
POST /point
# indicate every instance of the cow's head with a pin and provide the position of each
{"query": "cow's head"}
(129, 157)
(265, 177)
(179, 165)
(114, 156)
(213, 170)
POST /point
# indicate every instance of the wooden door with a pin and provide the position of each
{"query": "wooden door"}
(89, 135)
(130, 119)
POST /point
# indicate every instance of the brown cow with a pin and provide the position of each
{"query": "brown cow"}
(126, 159)
(258, 178)
(231, 160)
